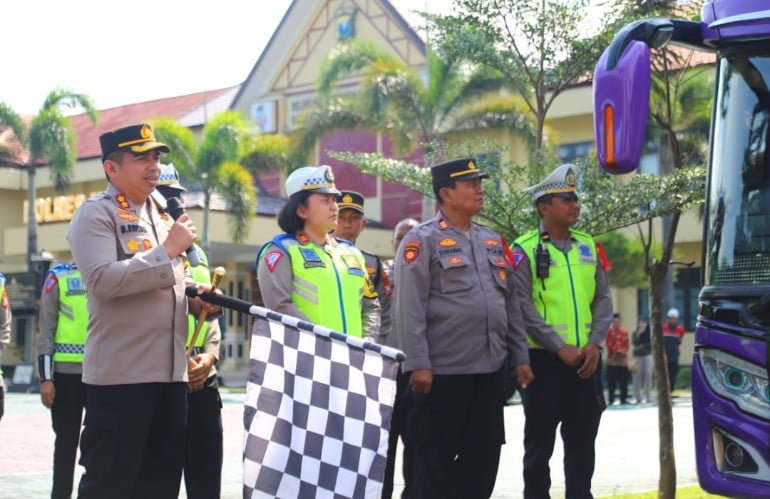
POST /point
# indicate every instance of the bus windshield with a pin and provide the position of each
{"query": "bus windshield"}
(738, 214)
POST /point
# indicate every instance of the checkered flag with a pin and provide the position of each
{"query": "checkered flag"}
(317, 411)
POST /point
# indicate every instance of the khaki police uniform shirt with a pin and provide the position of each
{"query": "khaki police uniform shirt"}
(376, 271)
(275, 285)
(5, 328)
(455, 311)
(136, 295)
(542, 333)
(48, 321)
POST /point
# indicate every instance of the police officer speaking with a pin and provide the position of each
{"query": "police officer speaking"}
(455, 314)
(131, 256)
(567, 310)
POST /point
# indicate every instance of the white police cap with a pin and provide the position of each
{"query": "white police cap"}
(311, 178)
(563, 180)
(169, 177)
(673, 313)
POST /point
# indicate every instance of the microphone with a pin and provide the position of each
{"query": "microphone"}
(176, 210)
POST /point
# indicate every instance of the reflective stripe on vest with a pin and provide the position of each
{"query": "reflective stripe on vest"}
(328, 284)
(564, 298)
(72, 323)
(201, 275)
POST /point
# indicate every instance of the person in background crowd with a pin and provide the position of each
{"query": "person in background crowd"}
(559, 270)
(132, 258)
(673, 332)
(642, 351)
(335, 291)
(390, 338)
(617, 361)
(5, 335)
(204, 448)
(350, 224)
(456, 316)
(60, 345)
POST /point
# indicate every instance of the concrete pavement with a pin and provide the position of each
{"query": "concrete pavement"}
(627, 450)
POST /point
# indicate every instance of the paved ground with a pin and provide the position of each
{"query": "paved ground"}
(627, 455)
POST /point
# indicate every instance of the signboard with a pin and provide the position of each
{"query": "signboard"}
(264, 115)
(21, 289)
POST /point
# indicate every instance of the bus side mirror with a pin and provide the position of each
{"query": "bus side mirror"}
(621, 107)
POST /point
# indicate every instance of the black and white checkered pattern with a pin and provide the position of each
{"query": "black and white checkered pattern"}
(317, 412)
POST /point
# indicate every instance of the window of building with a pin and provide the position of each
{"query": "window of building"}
(574, 152)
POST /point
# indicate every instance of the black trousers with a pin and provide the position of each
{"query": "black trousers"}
(66, 419)
(203, 454)
(398, 428)
(617, 378)
(455, 433)
(557, 395)
(133, 443)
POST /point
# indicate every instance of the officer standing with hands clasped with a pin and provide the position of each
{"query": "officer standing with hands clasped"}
(132, 258)
(60, 346)
(204, 449)
(456, 315)
(567, 310)
(305, 272)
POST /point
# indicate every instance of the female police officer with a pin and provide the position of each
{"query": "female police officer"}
(309, 274)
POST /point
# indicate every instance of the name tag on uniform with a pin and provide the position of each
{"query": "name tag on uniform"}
(311, 258)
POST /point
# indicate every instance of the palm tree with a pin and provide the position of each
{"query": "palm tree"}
(216, 163)
(396, 100)
(49, 139)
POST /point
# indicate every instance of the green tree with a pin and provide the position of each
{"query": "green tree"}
(412, 110)
(48, 140)
(216, 164)
(540, 47)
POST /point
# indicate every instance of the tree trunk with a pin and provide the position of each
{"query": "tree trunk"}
(666, 458)
(31, 216)
(206, 210)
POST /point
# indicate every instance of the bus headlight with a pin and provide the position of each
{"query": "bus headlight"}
(738, 380)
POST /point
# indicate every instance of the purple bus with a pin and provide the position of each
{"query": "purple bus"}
(731, 364)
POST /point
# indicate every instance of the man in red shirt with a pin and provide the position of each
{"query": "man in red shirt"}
(617, 360)
(673, 332)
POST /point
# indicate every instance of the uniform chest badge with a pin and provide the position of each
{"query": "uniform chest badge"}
(456, 260)
(351, 261)
(132, 245)
(411, 251)
(146, 244)
(371, 270)
(447, 241)
(502, 274)
(491, 242)
(500, 261)
(442, 224)
(586, 255)
(311, 258)
(127, 215)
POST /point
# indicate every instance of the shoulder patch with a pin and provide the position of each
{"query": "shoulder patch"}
(411, 251)
(272, 258)
(518, 257)
(50, 283)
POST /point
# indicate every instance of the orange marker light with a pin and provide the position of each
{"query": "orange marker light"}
(609, 135)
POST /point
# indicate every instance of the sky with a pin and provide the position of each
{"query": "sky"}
(121, 53)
